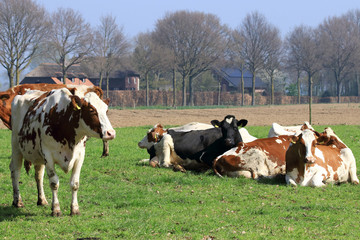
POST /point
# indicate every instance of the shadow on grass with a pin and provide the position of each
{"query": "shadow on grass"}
(10, 213)
(277, 180)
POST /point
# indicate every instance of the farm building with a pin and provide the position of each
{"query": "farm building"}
(51, 73)
(230, 79)
(119, 80)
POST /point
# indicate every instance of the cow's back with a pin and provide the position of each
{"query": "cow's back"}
(188, 144)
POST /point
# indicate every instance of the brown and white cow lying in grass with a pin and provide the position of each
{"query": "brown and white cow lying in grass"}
(314, 159)
(260, 158)
(263, 157)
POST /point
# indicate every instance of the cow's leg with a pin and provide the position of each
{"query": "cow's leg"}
(163, 150)
(317, 180)
(74, 184)
(15, 169)
(105, 149)
(39, 178)
(290, 181)
(352, 170)
(54, 185)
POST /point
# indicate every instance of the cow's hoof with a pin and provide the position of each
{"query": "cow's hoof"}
(74, 211)
(18, 204)
(42, 202)
(56, 213)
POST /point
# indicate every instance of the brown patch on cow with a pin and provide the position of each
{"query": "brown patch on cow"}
(294, 160)
(156, 133)
(61, 125)
(227, 163)
(331, 156)
(91, 117)
(330, 141)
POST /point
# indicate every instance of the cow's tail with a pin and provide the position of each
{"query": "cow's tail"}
(217, 168)
(27, 166)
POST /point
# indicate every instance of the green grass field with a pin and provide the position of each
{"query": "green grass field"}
(122, 199)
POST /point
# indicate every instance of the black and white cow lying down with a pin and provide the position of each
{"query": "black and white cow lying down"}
(195, 149)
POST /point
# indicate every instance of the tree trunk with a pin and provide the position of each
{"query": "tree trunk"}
(107, 85)
(184, 90)
(11, 77)
(147, 89)
(174, 87)
(298, 87)
(338, 86)
(253, 89)
(358, 84)
(310, 95)
(242, 85)
(101, 79)
(191, 97)
(219, 93)
(272, 89)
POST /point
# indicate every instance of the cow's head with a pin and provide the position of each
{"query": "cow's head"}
(154, 135)
(306, 143)
(93, 112)
(229, 128)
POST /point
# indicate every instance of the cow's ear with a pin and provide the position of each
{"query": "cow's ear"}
(294, 139)
(76, 102)
(215, 123)
(317, 134)
(323, 139)
(72, 90)
(107, 101)
(242, 123)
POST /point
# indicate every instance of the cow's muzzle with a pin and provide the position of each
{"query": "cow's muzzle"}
(109, 135)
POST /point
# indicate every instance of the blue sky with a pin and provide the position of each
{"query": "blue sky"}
(141, 15)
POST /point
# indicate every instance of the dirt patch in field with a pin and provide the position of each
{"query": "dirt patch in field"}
(322, 114)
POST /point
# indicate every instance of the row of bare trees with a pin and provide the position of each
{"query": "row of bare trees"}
(183, 45)
(28, 33)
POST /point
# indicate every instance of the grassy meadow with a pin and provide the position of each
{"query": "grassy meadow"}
(122, 199)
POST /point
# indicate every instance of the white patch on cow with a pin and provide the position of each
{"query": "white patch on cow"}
(278, 141)
(308, 137)
(245, 135)
(319, 154)
(229, 120)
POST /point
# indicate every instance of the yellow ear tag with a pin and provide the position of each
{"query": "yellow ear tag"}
(293, 142)
(216, 126)
(77, 107)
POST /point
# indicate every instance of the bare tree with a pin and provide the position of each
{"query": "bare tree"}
(196, 42)
(305, 49)
(23, 26)
(110, 45)
(339, 42)
(273, 55)
(70, 39)
(148, 56)
(255, 35)
(354, 17)
(292, 62)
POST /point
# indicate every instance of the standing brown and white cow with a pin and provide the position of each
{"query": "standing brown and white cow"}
(314, 159)
(7, 97)
(263, 157)
(51, 128)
